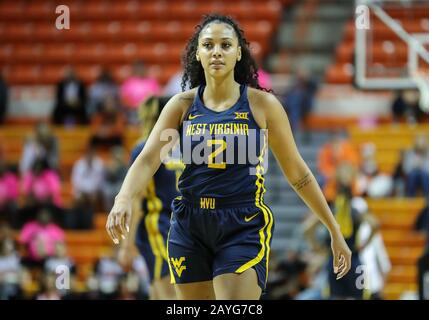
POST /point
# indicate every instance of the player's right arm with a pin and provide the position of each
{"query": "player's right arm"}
(147, 163)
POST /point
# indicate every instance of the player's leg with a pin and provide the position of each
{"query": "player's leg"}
(190, 263)
(164, 289)
(233, 286)
(240, 267)
(195, 291)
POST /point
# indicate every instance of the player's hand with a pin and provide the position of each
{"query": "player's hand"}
(342, 255)
(118, 221)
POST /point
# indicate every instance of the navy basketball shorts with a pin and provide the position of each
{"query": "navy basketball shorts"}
(151, 241)
(205, 243)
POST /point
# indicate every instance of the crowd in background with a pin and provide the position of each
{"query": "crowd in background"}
(31, 202)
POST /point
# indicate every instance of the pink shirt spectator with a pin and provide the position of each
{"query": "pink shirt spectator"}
(136, 90)
(41, 239)
(46, 185)
(9, 188)
(264, 79)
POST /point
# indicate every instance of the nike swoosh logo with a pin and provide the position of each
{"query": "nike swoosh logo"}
(194, 116)
(247, 219)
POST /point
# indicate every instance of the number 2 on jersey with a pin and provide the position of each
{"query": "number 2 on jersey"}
(221, 147)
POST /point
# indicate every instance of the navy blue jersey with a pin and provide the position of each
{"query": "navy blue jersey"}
(162, 189)
(222, 152)
(151, 235)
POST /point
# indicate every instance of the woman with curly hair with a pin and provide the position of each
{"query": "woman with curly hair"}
(220, 233)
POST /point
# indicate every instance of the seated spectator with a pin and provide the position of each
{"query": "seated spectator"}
(9, 191)
(373, 254)
(128, 286)
(114, 175)
(87, 176)
(339, 150)
(406, 108)
(42, 184)
(102, 88)
(108, 124)
(40, 238)
(61, 264)
(416, 167)
(108, 273)
(43, 144)
(48, 289)
(136, 89)
(60, 259)
(370, 181)
(11, 270)
(70, 105)
(87, 179)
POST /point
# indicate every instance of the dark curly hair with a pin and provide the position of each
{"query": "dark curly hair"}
(246, 70)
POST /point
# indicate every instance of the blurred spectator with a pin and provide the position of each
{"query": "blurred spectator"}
(371, 182)
(87, 179)
(128, 286)
(4, 98)
(9, 191)
(174, 85)
(48, 289)
(42, 184)
(10, 266)
(317, 237)
(373, 253)
(60, 259)
(416, 167)
(140, 268)
(405, 107)
(43, 144)
(108, 273)
(349, 219)
(339, 150)
(70, 105)
(298, 100)
(289, 277)
(108, 124)
(87, 176)
(399, 177)
(422, 225)
(40, 238)
(114, 175)
(136, 89)
(102, 88)
(61, 264)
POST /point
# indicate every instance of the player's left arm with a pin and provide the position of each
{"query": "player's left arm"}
(301, 178)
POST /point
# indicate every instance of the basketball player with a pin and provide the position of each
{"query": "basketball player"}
(152, 211)
(220, 232)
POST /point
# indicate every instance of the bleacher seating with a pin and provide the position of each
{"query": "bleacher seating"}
(396, 215)
(114, 34)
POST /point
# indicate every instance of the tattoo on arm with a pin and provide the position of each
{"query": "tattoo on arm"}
(301, 183)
